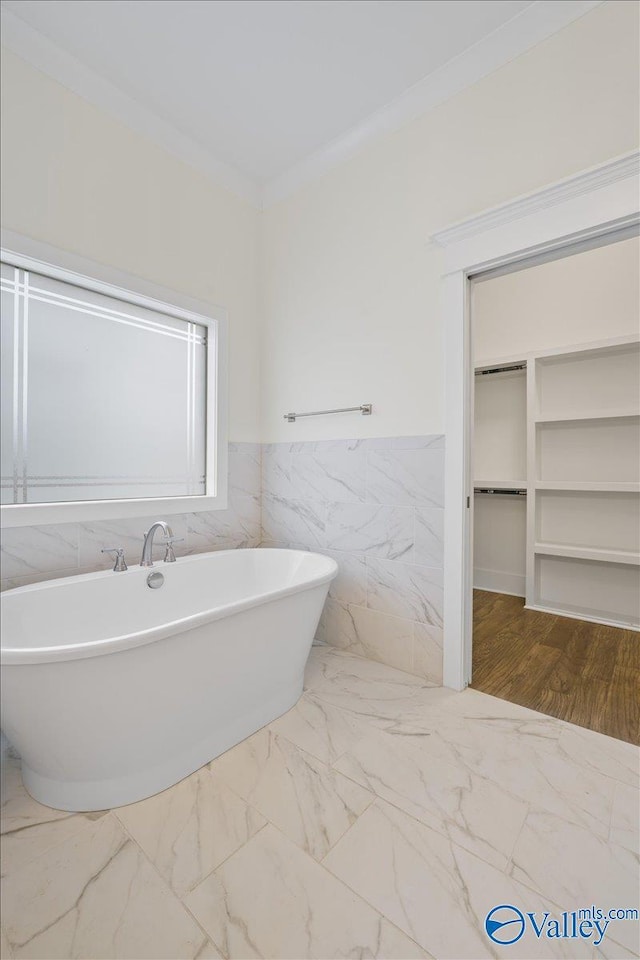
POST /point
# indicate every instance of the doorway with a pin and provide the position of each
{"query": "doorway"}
(555, 459)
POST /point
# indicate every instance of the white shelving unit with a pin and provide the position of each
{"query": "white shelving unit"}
(500, 484)
(576, 415)
(620, 414)
(591, 382)
(586, 553)
(625, 486)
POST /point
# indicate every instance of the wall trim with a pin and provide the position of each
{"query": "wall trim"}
(624, 167)
(595, 203)
(540, 20)
(534, 24)
(47, 57)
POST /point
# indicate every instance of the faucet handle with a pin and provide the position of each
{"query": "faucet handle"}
(120, 563)
(170, 556)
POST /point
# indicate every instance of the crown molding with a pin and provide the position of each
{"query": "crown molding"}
(533, 25)
(39, 51)
(624, 167)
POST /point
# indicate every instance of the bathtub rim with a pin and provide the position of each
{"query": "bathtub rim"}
(25, 656)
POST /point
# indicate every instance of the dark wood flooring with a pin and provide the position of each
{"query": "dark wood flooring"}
(586, 673)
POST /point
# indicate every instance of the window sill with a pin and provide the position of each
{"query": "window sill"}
(39, 514)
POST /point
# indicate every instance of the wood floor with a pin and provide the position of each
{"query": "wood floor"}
(586, 673)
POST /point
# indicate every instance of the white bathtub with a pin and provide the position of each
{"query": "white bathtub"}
(112, 691)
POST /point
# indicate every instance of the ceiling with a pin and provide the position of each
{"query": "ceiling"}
(262, 85)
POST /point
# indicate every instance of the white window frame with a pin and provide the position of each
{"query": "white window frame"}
(593, 204)
(27, 254)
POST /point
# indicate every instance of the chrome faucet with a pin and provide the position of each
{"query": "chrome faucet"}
(119, 565)
(169, 539)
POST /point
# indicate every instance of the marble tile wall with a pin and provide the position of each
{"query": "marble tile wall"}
(377, 507)
(30, 554)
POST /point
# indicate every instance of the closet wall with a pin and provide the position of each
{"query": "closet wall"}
(587, 297)
(557, 434)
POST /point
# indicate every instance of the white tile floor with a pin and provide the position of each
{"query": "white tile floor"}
(378, 818)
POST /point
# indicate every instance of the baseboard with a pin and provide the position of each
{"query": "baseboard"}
(573, 615)
(496, 581)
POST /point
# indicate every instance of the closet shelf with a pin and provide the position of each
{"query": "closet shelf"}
(621, 414)
(587, 553)
(604, 348)
(501, 484)
(607, 486)
(573, 415)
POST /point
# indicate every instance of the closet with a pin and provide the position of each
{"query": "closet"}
(556, 446)
(557, 480)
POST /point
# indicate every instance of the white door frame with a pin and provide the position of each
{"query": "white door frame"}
(591, 204)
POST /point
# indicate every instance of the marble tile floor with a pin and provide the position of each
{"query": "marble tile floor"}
(380, 817)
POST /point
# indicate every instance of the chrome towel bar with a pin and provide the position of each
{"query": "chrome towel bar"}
(364, 408)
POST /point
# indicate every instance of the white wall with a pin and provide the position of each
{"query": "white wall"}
(585, 297)
(499, 543)
(350, 291)
(79, 180)
(351, 283)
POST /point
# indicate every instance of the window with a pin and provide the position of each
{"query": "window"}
(108, 398)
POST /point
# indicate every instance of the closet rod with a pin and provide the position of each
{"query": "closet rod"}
(509, 492)
(513, 366)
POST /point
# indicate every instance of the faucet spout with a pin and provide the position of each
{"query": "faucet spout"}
(147, 550)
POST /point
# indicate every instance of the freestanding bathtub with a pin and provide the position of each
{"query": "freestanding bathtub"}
(112, 691)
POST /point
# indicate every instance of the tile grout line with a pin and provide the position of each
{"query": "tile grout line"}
(443, 833)
(334, 876)
(523, 799)
(509, 864)
(457, 846)
(8, 942)
(338, 650)
(84, 816)
(167, 885)
(613, 803)
(360, 896)
(514, 796)
(329, 768)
